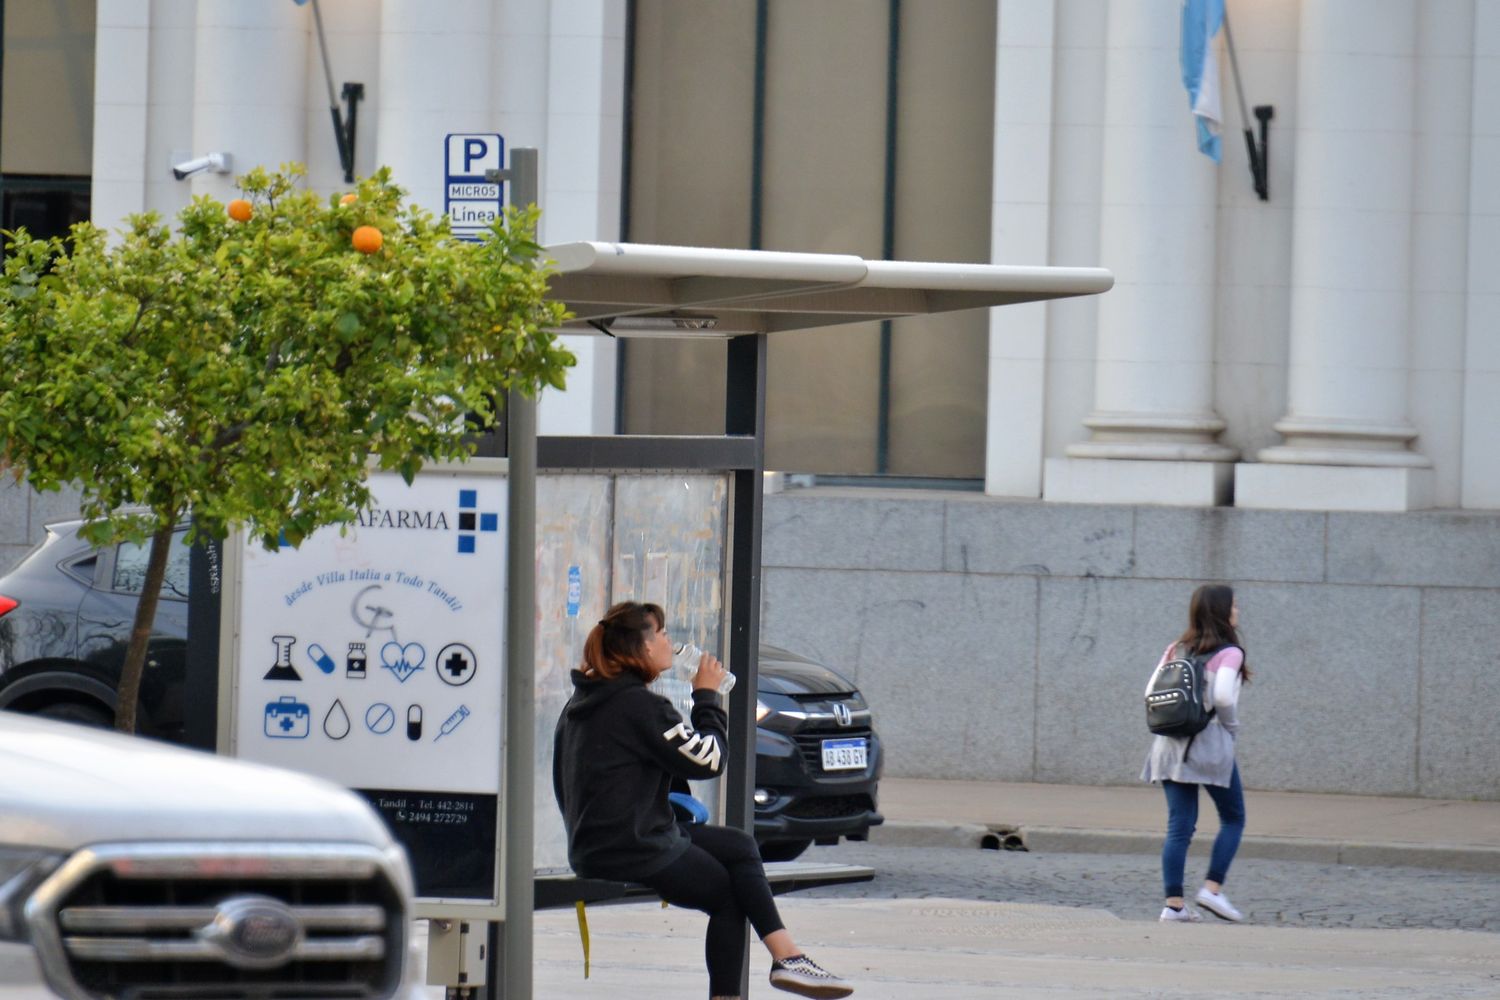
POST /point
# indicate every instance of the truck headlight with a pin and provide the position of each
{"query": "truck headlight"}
(21, 870)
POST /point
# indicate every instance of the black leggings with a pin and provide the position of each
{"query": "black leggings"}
(721, 875)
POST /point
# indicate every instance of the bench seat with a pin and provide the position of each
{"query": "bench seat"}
(557, 887)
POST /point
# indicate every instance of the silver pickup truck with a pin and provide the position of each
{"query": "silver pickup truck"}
(131, 869)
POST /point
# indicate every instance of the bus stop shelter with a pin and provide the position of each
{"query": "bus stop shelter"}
(741, 297)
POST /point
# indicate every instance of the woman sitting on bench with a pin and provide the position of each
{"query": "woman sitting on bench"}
(617, 748)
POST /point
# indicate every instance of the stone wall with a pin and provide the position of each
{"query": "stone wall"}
(23, 512)
(1011, 640)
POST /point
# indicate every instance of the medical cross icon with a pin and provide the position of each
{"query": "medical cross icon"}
(456, 664)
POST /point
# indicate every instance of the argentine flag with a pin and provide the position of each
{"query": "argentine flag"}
(1201, 21)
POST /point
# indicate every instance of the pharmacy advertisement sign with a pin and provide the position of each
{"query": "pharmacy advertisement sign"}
(375, 657)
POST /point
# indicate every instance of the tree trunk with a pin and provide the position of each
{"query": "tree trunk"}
(140, 633)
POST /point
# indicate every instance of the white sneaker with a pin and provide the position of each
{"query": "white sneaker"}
(805, 977)
(1184, 915)
(1215, 903)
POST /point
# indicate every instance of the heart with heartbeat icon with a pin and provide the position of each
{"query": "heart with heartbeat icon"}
(403, 661)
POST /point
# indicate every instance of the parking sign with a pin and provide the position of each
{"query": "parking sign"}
(471, 202)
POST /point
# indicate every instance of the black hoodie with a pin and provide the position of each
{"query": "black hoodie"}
(617, 748)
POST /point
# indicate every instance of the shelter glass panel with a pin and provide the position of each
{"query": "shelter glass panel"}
(603, 538)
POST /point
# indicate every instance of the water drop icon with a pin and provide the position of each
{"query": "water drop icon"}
(336, 722)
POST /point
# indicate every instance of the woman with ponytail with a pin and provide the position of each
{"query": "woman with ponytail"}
(1182, 764)
(617, 749)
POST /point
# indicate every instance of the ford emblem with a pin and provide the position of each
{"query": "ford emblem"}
(254, 932)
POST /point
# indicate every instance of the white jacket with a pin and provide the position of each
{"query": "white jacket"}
(1210, 758)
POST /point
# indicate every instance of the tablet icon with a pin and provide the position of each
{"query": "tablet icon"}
(380, 718)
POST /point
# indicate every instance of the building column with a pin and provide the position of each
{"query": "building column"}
(582, 109)
(1153, 425)
(1020, 214)
(1347, 433)
(249, 85)
(435, 66)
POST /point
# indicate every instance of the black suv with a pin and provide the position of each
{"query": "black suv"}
(817, 758)
(67, 608)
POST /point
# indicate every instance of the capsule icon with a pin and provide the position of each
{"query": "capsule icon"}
(414, 722)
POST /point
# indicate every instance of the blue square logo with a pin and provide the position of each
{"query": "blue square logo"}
(466, 543)
(468, 498)
(489, 522)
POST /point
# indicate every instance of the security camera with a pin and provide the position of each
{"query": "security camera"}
(219, 163)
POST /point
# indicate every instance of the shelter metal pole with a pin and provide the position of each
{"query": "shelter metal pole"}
(745, 414)
(518, 808)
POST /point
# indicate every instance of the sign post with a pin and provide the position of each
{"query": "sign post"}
(514, 956)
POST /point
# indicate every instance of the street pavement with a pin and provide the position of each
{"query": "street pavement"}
(1346, 897)
(1270, 892)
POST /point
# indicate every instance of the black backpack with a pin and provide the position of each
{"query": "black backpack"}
(1177, 699)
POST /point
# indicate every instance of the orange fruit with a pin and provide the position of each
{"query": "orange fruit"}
(349, 199)
(240, 210)
(368, 239)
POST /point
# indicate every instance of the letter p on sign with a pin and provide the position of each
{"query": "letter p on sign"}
(471, 154)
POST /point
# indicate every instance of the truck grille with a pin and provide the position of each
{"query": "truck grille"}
(222, 922)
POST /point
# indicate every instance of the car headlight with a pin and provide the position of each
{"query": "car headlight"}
(761, 710)
(21, 870)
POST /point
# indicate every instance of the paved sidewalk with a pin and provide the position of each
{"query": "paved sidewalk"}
(957, 949)
(1339, 829)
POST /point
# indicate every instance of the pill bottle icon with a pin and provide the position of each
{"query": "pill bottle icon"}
(354, 665)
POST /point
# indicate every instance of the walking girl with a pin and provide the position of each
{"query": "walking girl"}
(617, 749)
(1182, 764)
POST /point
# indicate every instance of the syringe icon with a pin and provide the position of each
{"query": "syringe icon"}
(452, 722)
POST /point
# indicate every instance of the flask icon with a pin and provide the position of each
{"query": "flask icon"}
(282, 669)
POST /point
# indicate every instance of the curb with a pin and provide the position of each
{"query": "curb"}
(1075, 840)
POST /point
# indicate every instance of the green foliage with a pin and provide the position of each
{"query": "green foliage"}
(246, 371)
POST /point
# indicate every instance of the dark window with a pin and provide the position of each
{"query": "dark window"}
(43, 206)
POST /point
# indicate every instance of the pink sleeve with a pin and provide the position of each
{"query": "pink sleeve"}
(1232, 657)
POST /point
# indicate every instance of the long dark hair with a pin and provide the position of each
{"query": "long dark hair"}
(1208, 622)
(618, 643)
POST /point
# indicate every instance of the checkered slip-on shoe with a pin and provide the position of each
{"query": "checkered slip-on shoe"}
(801, 975)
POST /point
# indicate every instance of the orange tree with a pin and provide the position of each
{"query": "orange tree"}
(244, 368)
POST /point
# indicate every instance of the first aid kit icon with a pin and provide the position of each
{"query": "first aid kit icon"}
(288, 719)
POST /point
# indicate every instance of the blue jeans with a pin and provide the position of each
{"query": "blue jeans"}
(1182, 820)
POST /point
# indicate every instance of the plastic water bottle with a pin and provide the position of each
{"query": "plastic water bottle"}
(685, 660)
